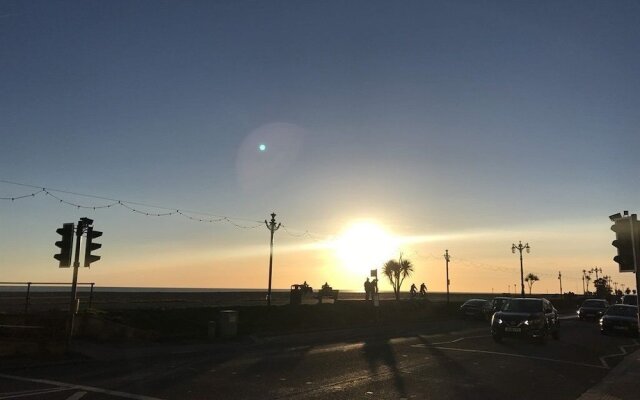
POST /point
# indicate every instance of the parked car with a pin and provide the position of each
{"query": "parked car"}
(494, 305)
(630, 299)
(621, 318)
(525, 317)
(592, 308)
(473, 308)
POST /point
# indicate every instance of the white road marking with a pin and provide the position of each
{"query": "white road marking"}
(76, 396)
(451, 341)
(80, 387)
(623, 352)
(26, 393)
(520, 356)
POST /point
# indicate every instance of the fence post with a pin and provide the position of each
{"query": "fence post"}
(91, 294)
(26, 303)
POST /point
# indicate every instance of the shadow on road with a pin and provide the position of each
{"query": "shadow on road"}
(379, 353)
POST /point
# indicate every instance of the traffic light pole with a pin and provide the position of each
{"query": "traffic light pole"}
(635, 263)
(74, 282)
(626, 243)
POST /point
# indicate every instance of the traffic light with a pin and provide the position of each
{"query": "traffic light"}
(625, 241)
(88, 257)
(65, 245)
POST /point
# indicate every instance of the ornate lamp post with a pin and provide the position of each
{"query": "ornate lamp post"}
(273, 227)
(521, 247)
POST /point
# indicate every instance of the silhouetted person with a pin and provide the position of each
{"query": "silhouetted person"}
(374, 287)
(414, 290)
(423, 290)
(367, 290)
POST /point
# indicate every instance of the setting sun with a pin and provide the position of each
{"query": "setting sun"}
(363, 246)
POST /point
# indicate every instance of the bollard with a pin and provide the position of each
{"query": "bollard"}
(26, 303)
(228, 323)
(211, 330)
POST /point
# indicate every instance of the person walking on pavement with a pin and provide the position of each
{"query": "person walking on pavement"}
(367, 289)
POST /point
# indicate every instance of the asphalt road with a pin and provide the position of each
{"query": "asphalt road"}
(452, 360)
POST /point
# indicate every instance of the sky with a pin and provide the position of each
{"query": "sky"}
(371, 128)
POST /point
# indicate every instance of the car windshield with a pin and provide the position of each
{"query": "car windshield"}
(594, 304)
(622, 311)
(523, 306)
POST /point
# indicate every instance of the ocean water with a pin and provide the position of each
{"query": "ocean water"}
(83, 287)
(122, 289)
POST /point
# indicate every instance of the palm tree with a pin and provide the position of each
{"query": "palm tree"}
(531, 279)
(396, 271)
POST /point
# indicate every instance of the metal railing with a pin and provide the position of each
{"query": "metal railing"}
(28, 285)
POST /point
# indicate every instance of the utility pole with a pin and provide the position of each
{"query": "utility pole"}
(584, 290)
(521, 247)
(446, 259)
(560, 278)
(272, 228)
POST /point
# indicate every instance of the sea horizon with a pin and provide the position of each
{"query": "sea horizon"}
(154, 289)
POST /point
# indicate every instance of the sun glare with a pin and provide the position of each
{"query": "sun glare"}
(364, 246)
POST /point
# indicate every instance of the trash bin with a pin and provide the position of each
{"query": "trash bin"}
(211, 330)
(295, 298)
(228, 323)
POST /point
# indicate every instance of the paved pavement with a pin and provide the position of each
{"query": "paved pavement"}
(622, 383)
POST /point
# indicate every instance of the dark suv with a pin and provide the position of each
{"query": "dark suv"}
(494, 306)
(630, 299)
(592, 308)
(533, 318)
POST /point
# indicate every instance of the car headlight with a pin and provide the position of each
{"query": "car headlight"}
(534, 322)
(500, 321)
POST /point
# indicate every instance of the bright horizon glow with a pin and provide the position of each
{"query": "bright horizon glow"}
(363, 246)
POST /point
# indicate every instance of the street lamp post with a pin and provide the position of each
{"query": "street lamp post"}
(560, 279)
(271, 225)
(521, 247)
(447, 259)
